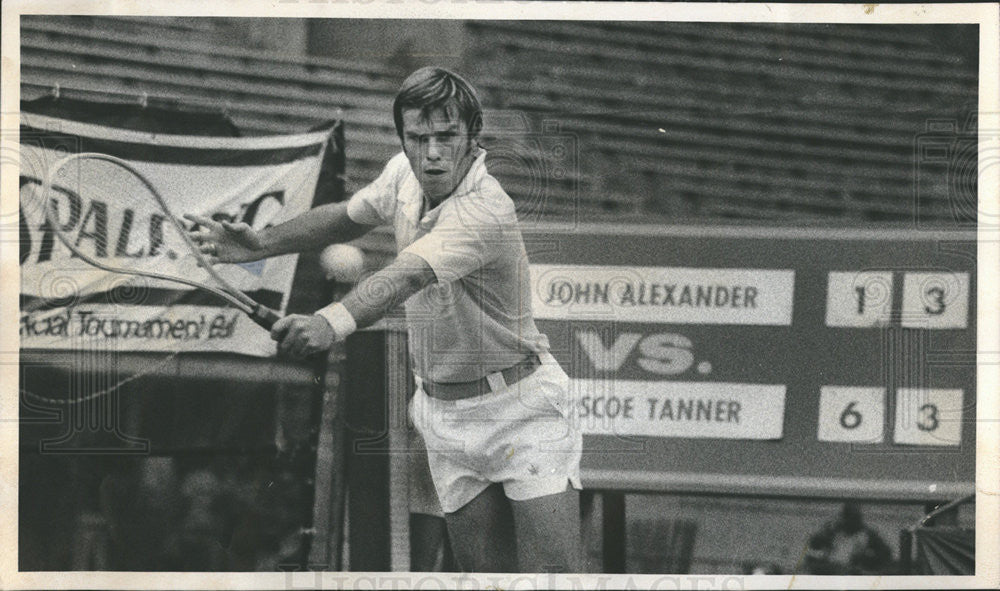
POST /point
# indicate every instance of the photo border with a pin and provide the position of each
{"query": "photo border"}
(988, 348)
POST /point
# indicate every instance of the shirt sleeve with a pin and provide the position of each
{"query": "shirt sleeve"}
(375, 204)
(470, 234)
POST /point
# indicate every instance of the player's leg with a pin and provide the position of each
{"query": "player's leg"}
(548, 533)
(543, 478)
(428, 532)
(479, 523)
(428, 538)
(448, 563)
(482, 533)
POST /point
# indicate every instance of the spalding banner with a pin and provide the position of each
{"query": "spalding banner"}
(67, 303)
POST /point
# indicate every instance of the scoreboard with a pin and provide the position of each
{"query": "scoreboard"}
(812, 362)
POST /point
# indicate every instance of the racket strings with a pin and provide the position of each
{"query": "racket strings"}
(80, 199)
(107, 179)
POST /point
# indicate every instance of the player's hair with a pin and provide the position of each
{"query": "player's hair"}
(433, 88)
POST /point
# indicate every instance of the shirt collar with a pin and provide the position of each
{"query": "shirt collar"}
(472, 178)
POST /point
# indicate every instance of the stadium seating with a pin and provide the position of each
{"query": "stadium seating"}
(736, 119)
(262, 93)
(661, 120)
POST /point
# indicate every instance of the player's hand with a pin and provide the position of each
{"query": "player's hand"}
(302, 336)
(225, 242)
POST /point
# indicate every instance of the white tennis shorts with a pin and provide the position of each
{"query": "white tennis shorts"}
(524, 436)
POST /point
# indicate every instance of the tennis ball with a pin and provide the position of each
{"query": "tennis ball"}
(342, 263)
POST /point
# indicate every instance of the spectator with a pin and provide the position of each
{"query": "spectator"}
(847, 546)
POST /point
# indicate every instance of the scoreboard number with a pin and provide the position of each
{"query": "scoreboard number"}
(935, 300)
(858, 298)
(928, 416)
(854, 414)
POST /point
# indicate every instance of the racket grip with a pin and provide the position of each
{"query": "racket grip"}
(265, 317)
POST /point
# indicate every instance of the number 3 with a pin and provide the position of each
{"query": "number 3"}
(929, 422)
(937, 295)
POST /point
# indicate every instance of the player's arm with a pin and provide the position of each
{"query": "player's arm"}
(469, 235)
(373, 205)
(226, 242)
(376, 295)
(371, 299)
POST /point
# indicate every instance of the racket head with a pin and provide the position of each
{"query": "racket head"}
(148, 240)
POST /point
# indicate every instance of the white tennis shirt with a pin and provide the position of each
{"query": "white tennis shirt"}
(477, 318)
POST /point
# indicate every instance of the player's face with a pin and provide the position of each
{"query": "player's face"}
(439, 149)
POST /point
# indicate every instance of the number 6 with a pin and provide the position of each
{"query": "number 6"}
(850, 418)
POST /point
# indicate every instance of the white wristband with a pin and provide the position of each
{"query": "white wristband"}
(340, 320)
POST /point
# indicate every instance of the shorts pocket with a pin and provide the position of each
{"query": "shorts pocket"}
(555, 387)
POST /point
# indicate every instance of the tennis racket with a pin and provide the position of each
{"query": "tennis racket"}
(119, 179)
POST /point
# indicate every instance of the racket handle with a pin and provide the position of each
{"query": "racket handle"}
(265, 317)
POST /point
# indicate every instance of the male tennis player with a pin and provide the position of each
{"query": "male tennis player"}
(492, 404)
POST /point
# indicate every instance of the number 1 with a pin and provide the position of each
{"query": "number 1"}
(861, 299)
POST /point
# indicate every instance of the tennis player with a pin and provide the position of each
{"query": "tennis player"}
(492, 404)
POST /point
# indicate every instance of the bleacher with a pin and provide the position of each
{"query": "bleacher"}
(734, 120)
(262, 93)
(668, 121)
